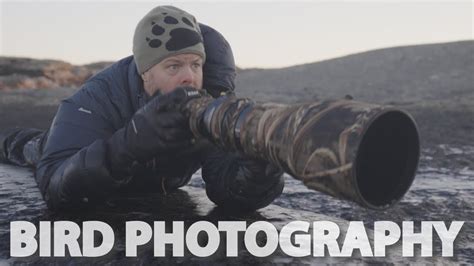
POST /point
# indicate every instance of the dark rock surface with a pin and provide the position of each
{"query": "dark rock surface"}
(20, 200)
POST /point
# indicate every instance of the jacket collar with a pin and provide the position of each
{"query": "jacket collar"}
(137, 91)
(136, 87)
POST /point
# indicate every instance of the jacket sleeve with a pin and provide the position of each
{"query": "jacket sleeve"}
(240, 183)
(73, 170)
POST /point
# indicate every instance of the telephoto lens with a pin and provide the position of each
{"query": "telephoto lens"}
(351, 150)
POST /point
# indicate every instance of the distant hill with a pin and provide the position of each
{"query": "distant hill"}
(400, 74)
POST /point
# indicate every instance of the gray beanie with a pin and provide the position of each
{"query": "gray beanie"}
(165, 31)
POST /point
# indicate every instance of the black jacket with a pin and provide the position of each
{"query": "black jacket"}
(74, 170)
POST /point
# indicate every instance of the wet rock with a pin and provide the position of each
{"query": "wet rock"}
(20, 200)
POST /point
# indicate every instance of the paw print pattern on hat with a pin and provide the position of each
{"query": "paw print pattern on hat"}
(189, 23)
(170, 20)
(156, 30)
(180, 37)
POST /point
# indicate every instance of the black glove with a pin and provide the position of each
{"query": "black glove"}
(181, 162)
(157, 129)
(240, 183)
(257, 181)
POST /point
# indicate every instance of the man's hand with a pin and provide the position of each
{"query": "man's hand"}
(157, 128)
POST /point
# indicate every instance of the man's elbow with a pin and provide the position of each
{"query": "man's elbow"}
(73, 191)
(80, 181)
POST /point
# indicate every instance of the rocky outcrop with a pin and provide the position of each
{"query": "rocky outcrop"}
(406, 74)
(27, 73)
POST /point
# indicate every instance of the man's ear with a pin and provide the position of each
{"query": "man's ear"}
(145, 76)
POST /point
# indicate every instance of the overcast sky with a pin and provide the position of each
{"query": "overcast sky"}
(262, 34)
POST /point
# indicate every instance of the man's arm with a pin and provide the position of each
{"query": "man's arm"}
(84, 160)
(73, 169)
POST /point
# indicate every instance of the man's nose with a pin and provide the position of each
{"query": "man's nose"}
(188, 76)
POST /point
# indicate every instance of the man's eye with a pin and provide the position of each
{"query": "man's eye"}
(173, 67)
(196, 65)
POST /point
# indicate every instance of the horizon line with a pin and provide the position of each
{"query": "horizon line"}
(255, 67)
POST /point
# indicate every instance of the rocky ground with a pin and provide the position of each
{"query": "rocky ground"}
(434, 83)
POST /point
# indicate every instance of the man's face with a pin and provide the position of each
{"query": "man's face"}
(174, 71)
